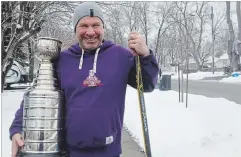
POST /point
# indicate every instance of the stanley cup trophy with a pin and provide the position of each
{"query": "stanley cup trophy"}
(43, 112)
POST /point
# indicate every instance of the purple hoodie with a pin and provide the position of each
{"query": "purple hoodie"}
(94, 115)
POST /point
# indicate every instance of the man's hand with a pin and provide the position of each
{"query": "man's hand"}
(17, 142)
(137, 44)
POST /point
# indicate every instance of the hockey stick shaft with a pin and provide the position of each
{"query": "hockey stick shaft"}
(142, 107)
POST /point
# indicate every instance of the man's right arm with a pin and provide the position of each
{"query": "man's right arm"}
(16, 126)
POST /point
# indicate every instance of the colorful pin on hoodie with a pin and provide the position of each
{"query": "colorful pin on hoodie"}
(94, 84)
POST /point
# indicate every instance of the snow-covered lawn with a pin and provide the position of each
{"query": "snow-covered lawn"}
(209, 127)
(199, 75)
(202, 75)
(232, 79)
(10, 103)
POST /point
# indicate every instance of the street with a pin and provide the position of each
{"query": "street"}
(212, 89)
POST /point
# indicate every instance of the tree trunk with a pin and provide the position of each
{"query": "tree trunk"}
(157, 41)
(31, 62)
(233, 56)
(238, 9)
(8, 61)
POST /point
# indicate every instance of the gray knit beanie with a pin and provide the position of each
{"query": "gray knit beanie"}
(87, 9)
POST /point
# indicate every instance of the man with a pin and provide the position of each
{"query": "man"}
(94, 74)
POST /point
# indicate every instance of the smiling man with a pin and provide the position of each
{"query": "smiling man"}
(94, 74)
(88, 25)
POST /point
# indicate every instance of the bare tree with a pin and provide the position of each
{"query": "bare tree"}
(144, 7)
(17, 27)
(238, 10)
(181, 42)
(233, 55)
(218, 19)
(132, 15)
(192, 23)
(185, 28)
(168, 47)
(204, 52)
(163, 12)
(117, 25)
(22, 20)
(62, 32)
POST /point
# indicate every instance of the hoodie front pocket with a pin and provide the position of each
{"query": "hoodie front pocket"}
(91, 128)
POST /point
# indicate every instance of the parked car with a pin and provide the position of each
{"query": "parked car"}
(17, 74)
(206, 68)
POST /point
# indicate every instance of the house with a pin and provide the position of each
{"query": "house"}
(222, 61)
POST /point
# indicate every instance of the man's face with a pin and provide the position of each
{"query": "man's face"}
(89, 32)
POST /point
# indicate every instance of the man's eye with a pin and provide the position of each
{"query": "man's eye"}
(83, 26)
(96, 25)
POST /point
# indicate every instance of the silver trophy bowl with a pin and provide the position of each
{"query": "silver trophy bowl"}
(48, 48)
(43, 110)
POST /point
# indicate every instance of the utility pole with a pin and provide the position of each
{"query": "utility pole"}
(212, 40)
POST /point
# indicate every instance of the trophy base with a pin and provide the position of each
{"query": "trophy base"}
(20, 154)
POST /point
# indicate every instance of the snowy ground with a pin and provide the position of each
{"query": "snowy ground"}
(209, 127)
(199, 75)
(232, 79)
(10, 103)
(202, 75)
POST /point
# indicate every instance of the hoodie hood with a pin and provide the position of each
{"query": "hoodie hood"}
(77, 50)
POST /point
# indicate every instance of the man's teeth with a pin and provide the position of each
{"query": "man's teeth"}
(91, 39)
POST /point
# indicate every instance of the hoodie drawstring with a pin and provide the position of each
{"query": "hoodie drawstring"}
(81, 59)
(95, 60)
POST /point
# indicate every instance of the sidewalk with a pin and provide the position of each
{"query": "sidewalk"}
(129, 147)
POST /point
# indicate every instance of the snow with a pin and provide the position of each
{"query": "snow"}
(210, 59)
(199, 75)
(232, 79)
(202, 75)
(209, 127)
(19, 26)
(10, 103)
(224, 56)
(22, 85)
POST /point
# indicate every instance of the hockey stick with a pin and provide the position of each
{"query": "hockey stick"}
(140, 91)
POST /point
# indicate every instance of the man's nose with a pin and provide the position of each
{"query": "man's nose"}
(90, 31)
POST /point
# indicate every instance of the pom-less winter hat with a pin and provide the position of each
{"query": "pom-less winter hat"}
(87, 9)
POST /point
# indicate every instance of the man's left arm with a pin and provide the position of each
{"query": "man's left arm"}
(149, 69)
(149, 66)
